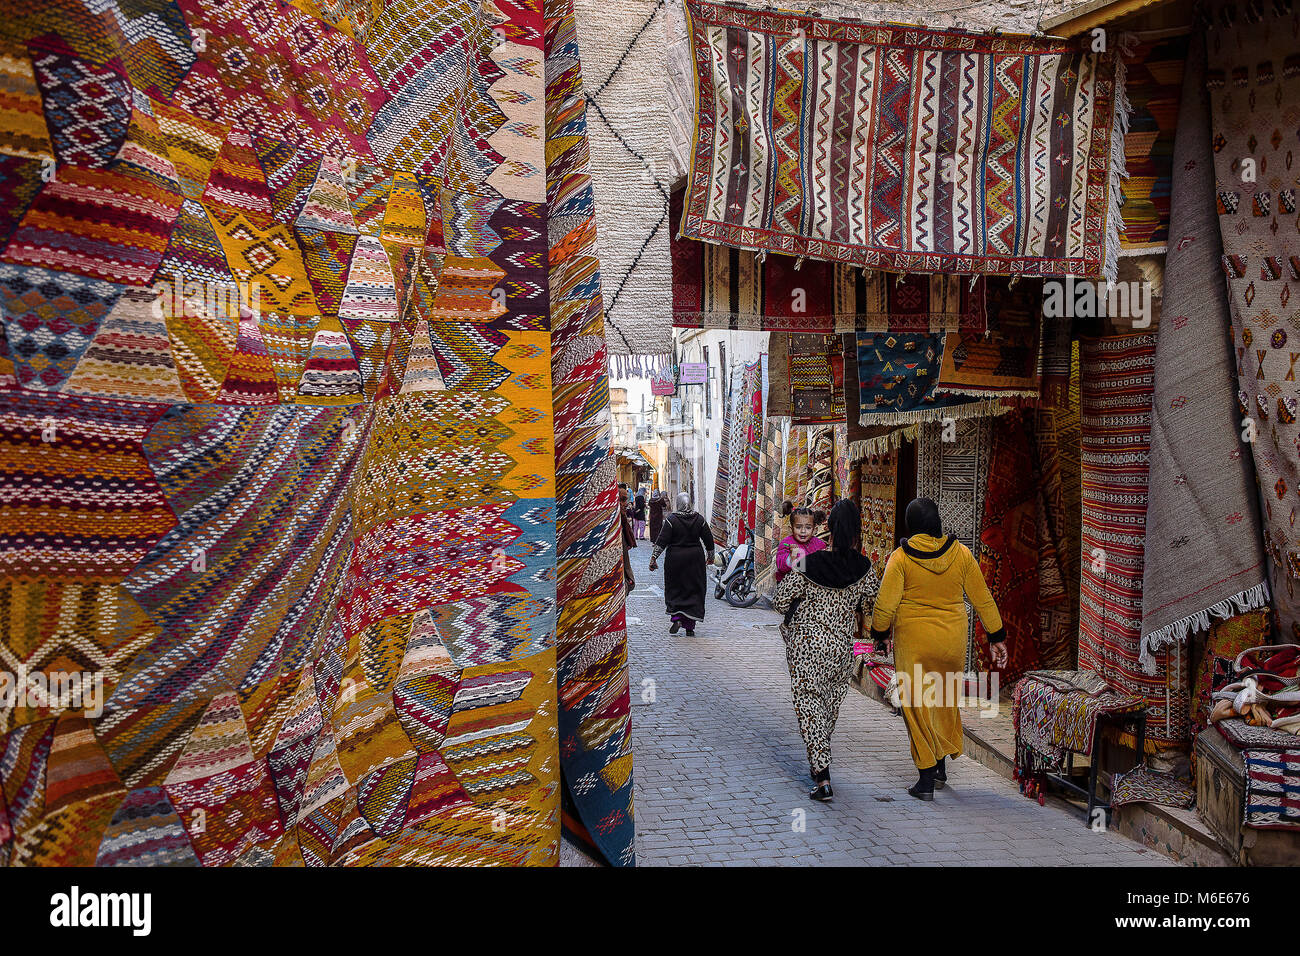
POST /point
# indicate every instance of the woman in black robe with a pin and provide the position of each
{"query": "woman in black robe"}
(688, 544)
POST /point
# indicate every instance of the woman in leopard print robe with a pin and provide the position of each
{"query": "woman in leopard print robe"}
(820, 601)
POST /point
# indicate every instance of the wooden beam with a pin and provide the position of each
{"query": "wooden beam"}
(1082, 18)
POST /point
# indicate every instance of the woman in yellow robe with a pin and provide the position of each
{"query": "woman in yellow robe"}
(922, 595)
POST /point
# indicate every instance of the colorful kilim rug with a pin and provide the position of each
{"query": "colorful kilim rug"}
(303, 401)
(1005, 362)
(595, 741)
(797, 153)
(1118, 376)
(1254, 94)
(1055, 713)
(954, 474)
(752, 395)
(767, 522)
(821, 469)
(897, 375)
(1144, 785)
(1153, 82)
(622, 58)
(1008, 553)
(840, 442)
(877, 491)
(721, 481)
(1056, 443)
(815, 398)
(1272, 788)
(1203, 496)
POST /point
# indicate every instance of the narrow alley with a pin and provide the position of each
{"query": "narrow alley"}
(722, 779)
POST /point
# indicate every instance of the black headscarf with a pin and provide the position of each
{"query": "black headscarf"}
(843, 564)
(922, 517)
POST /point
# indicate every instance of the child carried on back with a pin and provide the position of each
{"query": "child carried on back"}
(801, 542)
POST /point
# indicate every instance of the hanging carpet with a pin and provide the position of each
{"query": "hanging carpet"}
(901, 147)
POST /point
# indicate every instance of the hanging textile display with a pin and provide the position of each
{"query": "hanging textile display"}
(1004, 363)
(840, 442)
(821, 466)
(877, 496)
(1153, 82)
(595, 738)
(718, 518)
(1254, 94)
(953, 474)
(1056, 359)
(1056, 443)
(279, 462)
(767, 520)
(1203, 496)
(778, 375)
(622, 57)
(718, 287)
(796, 464)
(752, 396)
(816, 361)
(797, 153)
(1118, 376)
(897, 376)
(1008, 553)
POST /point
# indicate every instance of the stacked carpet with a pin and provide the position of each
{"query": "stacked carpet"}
(1055, 713)
(1203, 497)
(303, 385)
(1254, 91)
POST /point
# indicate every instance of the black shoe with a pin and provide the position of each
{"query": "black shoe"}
(690, 632)
(822, 792)
(677, 626)
(923, 789)
(940, 775)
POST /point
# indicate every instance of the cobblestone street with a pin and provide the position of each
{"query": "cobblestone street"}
(722, 776)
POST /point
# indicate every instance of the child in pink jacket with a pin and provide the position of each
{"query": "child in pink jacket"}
(801, 542)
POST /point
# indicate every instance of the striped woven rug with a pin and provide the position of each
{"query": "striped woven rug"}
(1118, 376)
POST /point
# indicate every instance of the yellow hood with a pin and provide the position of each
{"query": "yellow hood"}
(931, 553)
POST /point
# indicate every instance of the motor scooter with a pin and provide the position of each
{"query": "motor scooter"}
(734, 574)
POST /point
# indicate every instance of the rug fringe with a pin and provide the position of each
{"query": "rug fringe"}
(1118, 162)
(866, 447)
(989, 392)
(640, 366)
(1251, 599)
(979, 409)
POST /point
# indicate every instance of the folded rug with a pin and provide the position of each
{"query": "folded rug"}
(1144, 785)
(1272, 788)
(1202, 486)
(795, 155)
(1055, 712)
(1254, 96)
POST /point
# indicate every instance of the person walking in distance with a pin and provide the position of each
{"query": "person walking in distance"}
(687, 545)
